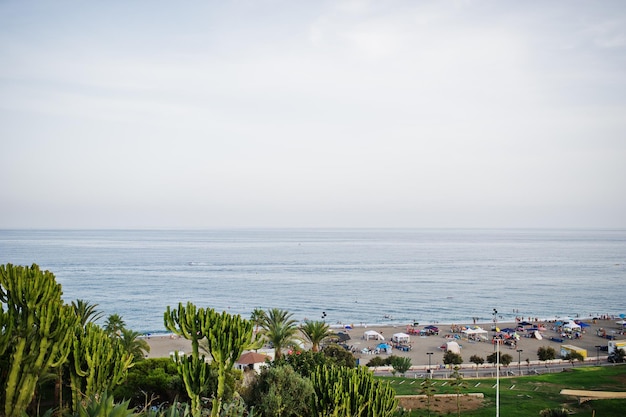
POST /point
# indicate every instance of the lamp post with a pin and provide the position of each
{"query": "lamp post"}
(519, 361)
(429, 371)
(497, 349)
(497, 377)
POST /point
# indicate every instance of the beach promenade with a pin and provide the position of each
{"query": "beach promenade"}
(422, 345)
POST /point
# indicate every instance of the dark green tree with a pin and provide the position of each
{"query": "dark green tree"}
(452, 358)
(155, 378)
(546, 353)
(477, 360)
(37, 330)
(339, 356)
(401, 364)
(304, 363)
(505, 358)
(279, 391)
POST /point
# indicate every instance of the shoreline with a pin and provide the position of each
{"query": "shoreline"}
(429, 348)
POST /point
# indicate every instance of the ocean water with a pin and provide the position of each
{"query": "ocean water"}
(345, 276)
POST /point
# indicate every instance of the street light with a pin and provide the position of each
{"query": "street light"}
(519, 361)
(429, 371)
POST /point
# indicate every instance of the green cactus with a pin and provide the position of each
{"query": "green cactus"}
(227, 337)
(37, 330)
(195, 373)
(349, 392)
(187, 321)
(191, 323)
(98, 363)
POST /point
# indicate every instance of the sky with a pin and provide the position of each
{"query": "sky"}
(272, 113)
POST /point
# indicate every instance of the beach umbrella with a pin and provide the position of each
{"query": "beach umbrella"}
(383, 346)
(582, 324)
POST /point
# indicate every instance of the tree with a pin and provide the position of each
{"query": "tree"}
(316, 332)
(458, 385)
(505, 359)
(133, 344)
(257, 317)
(339, 356)
(279, 329)
(477, 360)
(86, 312)
(428, 389)
(282, 392)
(451, 358)
(114, 325)
(347, 392)
(151, 378)
(401, 364)
(37, 330)
(574, 356)
(304, 363)
(546, 353)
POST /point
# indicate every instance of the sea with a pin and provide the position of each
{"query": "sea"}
(342, 276)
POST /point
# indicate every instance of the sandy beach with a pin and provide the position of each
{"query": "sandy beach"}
(162, 345)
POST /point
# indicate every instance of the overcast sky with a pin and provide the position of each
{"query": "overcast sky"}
(162, 114)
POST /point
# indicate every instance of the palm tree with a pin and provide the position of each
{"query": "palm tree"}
(316, 332)
(114, 325)
(133, 344)
(256, 318)
(86, 312)
(279, 329)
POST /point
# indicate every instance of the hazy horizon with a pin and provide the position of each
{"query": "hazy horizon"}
(330, 114)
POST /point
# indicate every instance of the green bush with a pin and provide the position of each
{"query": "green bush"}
(280, 392)
(149, 379)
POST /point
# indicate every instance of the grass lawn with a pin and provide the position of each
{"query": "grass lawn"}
(528, 395)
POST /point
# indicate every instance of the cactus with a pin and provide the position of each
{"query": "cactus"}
(227, 336)
(191, 323)
(195, 373)
(37, 330)
(187, 321)
(348, 392)
(98, 363)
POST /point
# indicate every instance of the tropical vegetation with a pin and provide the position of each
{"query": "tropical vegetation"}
(56, 359)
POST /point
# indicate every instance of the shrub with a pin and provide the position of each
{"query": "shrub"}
(546, 353)
(451, 358)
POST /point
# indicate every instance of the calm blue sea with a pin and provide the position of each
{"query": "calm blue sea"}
(352, 276)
